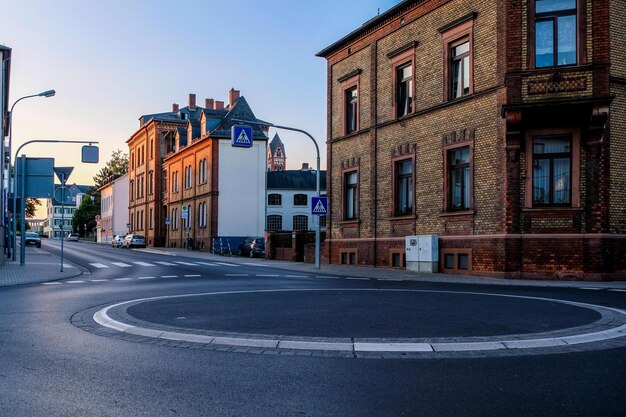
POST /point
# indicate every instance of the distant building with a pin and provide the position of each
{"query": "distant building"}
(276, 155)
(289, 196)
(499, 126)
(55, 213)
(36, 225)
(113, 209)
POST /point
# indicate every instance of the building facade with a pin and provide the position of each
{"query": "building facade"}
(214, 193)
(289, 196)
(496, 125)
(276, 156)
(114, 218)
(61, 214)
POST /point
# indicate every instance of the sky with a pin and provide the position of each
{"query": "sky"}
(112, 61)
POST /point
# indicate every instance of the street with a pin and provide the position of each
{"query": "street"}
(56, 360)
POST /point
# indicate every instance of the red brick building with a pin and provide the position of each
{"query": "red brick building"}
(499, 126)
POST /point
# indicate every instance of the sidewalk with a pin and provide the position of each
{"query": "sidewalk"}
(40, 266)
(385, 273)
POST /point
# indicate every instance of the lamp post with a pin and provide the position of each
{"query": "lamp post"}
(47, 93)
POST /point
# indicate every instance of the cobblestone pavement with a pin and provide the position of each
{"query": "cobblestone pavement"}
(40, 266)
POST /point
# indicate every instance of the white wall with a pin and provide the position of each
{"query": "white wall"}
(241, 202)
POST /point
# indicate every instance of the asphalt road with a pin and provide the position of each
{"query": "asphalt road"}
(50, 367)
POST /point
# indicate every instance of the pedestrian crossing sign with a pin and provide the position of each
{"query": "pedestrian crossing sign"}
(241, 136)
(319, 206)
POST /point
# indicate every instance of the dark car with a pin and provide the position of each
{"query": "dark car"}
(252, 246)
(32, 239)
(134, 241)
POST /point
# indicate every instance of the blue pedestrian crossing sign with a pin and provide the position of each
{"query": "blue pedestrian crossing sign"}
(319, 206)
(241, 136)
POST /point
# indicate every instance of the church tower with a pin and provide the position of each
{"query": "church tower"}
(276, 157)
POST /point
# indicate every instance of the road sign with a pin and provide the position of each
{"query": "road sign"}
(319, 206)
(184, 212)
(63, 173)
(63, 195)
(241, 136)
(167, 220)
(39, 179)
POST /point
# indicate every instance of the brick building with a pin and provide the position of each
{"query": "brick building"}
(276, 156)
(499, 126)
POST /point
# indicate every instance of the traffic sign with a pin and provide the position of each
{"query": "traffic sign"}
(319, 206)
(184, 212)
(241, 136)
(167, 220)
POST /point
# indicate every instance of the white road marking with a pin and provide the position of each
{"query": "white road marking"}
(590, 288)
(97, 265)
(359, 279)
(253, 264)
(75, 282)
(237, 275)
(164, 263)
(146, 278)
(320, 276)
(615, 289)
(297, 276)
(143, 264)
(50, 283)
(98, 280)
(191, 276)
(122, 279)
(267, 275)
(121, 264)
(206, 263)
(185, 263)
(169, 276)
(225, 264)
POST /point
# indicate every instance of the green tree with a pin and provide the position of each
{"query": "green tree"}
(118, 164)
(84, 219)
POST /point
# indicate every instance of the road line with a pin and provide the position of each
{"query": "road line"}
(192, 276)
(590, 288)
(325, 277)
(122, 279)
(615, 289)
(97, 265)
(297, 276)
(75, 282)
(253, 264)
(98, 280)
(143, 264)
(169, 276)
(206, 263)
(359, 279)
(185, 263)
(237, 275)
(164, 263)
(122, 264)
(267, 275)
(225, 264)
(50, 283)
(146, 278)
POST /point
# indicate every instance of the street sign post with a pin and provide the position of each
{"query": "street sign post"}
(63, 173)
(319, 206)
(241, 136)
(184, 212)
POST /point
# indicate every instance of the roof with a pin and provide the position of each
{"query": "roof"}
(181, 116)
(368, 26)
(295, 180)
(112, 179)
(240, 111)
(276, 142)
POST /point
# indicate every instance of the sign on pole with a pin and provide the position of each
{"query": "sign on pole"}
(241, 136)
(184, 212)
(319, 206)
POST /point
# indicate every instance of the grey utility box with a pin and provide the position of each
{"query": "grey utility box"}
(422, 253)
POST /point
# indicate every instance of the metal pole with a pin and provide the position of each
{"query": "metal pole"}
(317, 180)
(23, 211)
(62, 215)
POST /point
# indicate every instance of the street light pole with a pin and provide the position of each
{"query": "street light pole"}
(317, 177)
(47, 93)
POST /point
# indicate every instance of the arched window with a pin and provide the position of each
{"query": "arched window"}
(300, 222)
(274, 222)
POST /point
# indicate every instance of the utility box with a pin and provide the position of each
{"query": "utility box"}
(422, 253)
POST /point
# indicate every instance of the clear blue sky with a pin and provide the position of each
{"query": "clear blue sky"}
(112, 61)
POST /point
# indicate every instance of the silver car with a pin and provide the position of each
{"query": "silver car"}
(134, 241)
(117, 241)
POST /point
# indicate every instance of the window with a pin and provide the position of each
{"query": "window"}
(300, 200)
(460, 69)
(175, 182)
(348, 257)
(322, 221)
(458, 54)
(350, 196)
(552, 167)
(459, 174)
(274, 222)
(131, 188)
(202, 167)
(151, 219)
(555, 33)
(457, 261)
(404, 187)
(202, 218)
(274, 200)
(151, 183)
(351, 110)
(300, 222)
(174, 219)
(188, 177)
(404, 90)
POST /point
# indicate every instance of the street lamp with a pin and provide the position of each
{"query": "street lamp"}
(47, 93)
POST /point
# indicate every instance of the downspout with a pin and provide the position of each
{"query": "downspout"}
(374, 113)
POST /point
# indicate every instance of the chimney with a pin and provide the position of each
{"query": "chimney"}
(219, 105)
(208, 103)
(233, 96)
(175, 108)
(192, 101)
(305, 165)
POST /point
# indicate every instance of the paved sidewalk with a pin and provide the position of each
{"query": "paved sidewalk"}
(385, 273)
(41, 266)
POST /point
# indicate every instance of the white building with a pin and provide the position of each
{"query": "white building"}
(289, 196)
(113, 209)
(56, 216)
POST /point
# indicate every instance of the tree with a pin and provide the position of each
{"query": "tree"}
(84, 219)
(118, 164)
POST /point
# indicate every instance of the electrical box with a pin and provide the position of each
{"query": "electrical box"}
(422, 253)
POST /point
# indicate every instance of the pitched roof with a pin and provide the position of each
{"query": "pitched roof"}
(275, 143)
(181, 116)
(241, 111)
(295, 180)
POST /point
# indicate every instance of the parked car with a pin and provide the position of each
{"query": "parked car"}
(72, 237)
(252, 246)
(134, 241)
(117, 241)
(32, 239)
